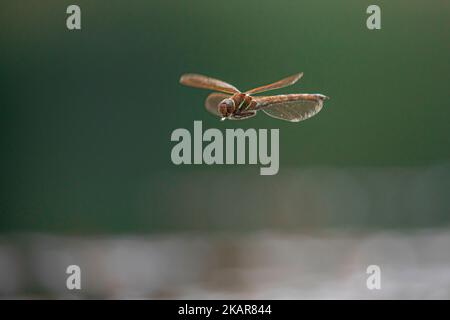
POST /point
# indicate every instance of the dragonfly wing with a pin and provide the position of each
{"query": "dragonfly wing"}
(277, 85)
(213, 101)
(203, 82)
(291, 107)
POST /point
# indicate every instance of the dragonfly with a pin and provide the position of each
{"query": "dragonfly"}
(232, 104)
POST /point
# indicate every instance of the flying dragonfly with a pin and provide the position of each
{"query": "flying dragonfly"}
(233, 104)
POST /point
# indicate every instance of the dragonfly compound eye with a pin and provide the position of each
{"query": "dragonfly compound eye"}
(226, 107)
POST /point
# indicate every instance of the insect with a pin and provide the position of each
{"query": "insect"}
(233, 104)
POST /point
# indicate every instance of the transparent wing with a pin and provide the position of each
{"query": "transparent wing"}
(277, 85)
(291, 107)
(203, 82)
(213, 101)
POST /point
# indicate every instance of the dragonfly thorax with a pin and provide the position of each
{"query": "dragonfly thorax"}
(235, 105)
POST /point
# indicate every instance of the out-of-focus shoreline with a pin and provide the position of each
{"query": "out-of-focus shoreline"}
(263, 265)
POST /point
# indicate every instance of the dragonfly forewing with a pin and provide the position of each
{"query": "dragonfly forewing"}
(277, 85)
(204, 82)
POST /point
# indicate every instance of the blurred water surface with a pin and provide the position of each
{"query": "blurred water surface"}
(263, 265)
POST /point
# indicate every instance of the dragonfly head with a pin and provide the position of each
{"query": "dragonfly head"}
(226, 108)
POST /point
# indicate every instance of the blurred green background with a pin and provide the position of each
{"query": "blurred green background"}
(86, 116)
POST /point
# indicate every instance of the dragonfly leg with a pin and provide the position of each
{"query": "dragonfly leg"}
(244, 115)
(247, 100)
(238, 101)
